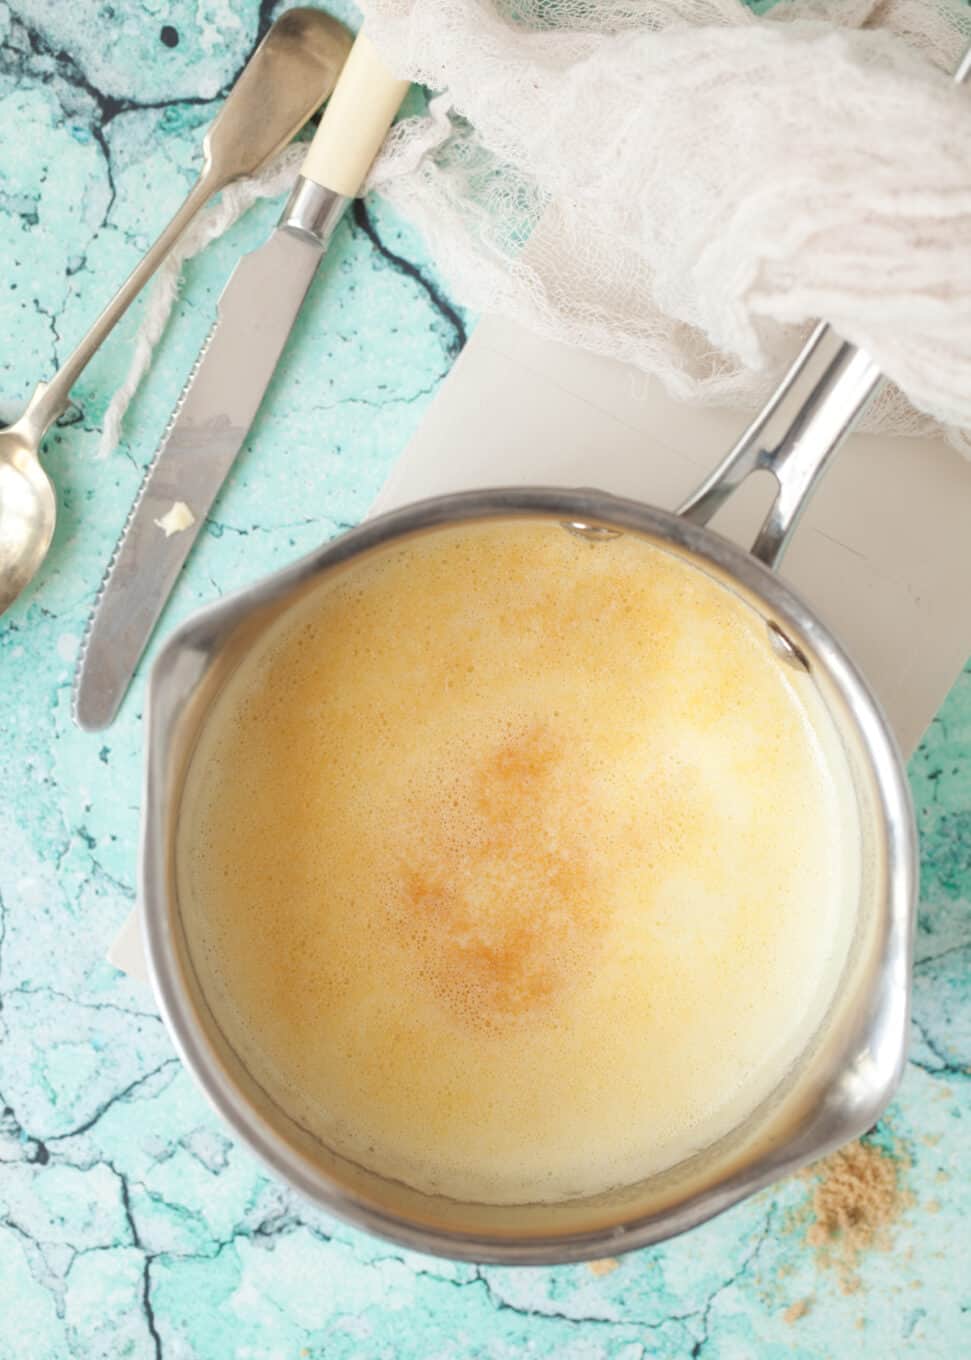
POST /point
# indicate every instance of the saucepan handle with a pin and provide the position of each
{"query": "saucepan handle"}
(803, 424)
(807, 418)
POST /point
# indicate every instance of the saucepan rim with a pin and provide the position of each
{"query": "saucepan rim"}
(883, 1028)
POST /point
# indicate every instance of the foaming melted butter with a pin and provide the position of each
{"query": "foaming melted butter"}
(515, 866)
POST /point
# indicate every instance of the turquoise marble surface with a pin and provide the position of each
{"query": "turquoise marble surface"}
(131, 1223)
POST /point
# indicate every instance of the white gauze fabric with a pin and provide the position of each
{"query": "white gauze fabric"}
(686, 186)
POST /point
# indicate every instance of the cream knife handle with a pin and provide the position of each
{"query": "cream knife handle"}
(355, 121)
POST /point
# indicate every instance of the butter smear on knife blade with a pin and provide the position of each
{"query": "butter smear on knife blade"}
(175, 519)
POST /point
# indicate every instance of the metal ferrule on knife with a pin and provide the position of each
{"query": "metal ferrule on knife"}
(313, 210)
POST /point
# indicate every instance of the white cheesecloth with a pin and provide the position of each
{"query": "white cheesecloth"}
(685, 185)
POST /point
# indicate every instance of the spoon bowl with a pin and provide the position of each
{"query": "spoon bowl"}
(28, 510)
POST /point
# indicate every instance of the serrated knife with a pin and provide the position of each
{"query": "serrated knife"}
(219, 402)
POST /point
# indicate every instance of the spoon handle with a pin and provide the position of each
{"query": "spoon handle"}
(49, 399)
(290, 74)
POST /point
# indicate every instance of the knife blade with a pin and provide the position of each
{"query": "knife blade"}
(225, 387)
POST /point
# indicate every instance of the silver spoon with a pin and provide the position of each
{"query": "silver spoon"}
(289, 75)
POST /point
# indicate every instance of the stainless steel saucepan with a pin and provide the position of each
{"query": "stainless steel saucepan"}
(850, 1069)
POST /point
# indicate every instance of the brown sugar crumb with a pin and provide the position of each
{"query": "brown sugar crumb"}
(796, 1310)
(603, 1267)
(857, 1198)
